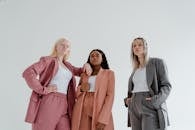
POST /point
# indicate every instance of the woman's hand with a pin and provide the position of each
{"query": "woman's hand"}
(84, 87)
(127, 100)
(51, 88)
(100, 126)
(149, 99)
(87, 68)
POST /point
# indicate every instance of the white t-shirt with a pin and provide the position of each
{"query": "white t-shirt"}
(91, 82)
(62, 79)
(139, 81)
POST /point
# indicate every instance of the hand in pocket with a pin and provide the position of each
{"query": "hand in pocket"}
(127, 101)
(147, 102)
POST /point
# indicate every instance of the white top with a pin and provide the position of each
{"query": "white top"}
(139, 81)
(91, 82)
(62, 79)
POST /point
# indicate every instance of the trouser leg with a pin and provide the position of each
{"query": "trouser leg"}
(52, 107)
(143, 116)
(85, 123)
(64, 123)
(134, 114)
(149, 115)
(87, 112)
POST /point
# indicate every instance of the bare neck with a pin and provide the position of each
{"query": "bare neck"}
(60, 59)
(96, 69)
(141, 61)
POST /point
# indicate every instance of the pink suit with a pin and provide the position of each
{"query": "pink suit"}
(41, 102)
(101, 105)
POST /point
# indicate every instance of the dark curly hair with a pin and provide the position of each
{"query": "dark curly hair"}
(104, 63)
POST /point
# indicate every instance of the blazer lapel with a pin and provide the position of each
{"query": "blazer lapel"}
(51, 70)
(150, 74)
(98, 79)
(130, 84)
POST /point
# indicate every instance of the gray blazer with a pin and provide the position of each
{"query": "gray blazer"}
(159, 89)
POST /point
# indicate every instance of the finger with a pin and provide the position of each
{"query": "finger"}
(54, 85)
(50, 88)
(54, 88)
(88, 72)
(126, 102)
(84, 69)
(128, 99)
(148, 98)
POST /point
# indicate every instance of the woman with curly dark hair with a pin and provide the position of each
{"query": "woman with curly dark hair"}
(95, 96)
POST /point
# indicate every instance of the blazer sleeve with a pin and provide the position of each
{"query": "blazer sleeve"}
(32, 72)
(75, 70)
(129, 93)
(105, 113)
(83, 79)
(163, 84)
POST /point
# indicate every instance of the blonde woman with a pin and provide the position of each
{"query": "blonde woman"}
(52, 80)
(148, 90)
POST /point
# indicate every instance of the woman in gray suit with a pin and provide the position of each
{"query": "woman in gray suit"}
(148, 90)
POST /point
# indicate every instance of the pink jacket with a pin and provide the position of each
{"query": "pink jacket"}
(103, 101)
(45, 69)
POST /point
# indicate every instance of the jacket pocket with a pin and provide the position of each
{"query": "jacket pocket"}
(33, 108)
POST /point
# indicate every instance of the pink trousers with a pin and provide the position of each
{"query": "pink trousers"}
(86, 117)
(52, 114)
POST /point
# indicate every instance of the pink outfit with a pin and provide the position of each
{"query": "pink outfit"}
(52, 114)
(39, 105)
(87, 112)
(99, 104)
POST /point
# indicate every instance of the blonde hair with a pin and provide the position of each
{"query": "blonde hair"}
(54, 52)
(134, 58)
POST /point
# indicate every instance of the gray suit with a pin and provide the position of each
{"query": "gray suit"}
(159, 89)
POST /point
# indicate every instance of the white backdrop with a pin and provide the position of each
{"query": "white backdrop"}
(28, 29)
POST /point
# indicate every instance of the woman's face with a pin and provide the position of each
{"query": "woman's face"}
(96, 58)
(138, 48)
(63, 48)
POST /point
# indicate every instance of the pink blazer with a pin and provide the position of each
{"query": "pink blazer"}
(103, 101)
(45, 69)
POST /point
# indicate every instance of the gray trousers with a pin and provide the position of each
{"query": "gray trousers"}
(143, 115)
